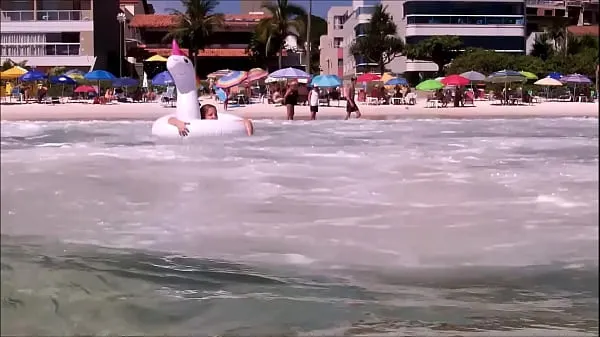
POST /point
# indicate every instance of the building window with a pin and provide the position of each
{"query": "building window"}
(464, 8)
(340, 63)
(502, 43)
(463, 20)
(361, 29)
(365, 10)
(337, 42)
(338, 22)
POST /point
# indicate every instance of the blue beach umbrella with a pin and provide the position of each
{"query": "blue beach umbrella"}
(326, 81)
(555, 75)
(33, 75)
(62, 79)
(397, 81)
(99, 75)
(163, 79)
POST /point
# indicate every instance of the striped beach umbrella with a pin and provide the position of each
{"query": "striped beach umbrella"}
(218, 73)
(232, 79)
(256, 74)
(75, 74)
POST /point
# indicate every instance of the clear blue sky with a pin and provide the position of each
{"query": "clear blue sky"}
(320, 7)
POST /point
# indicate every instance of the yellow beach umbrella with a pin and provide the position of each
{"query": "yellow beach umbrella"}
(12, 73)
(156, 58)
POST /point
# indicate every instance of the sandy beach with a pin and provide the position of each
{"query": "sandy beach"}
(153, 110)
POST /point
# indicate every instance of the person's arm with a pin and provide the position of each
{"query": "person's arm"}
(249, 127)
(180, 125)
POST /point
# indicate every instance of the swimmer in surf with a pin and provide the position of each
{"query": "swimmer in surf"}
(207, 111)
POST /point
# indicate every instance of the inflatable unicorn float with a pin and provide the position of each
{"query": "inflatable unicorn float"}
(188, 108)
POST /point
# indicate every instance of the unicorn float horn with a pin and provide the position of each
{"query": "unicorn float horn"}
(175, 50)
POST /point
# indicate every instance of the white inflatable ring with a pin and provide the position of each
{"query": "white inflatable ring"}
(226, 125)
(188, 109)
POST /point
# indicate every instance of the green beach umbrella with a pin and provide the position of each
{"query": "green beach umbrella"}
(530, 76)
(430, 85)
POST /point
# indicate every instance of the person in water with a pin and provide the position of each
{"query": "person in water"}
(207, 111)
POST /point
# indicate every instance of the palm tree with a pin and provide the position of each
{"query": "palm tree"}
(195, 25)
(381, 43)
(286, 18)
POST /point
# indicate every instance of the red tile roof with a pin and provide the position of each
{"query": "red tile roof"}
(209, 52)
(167, 20)
(584, 30)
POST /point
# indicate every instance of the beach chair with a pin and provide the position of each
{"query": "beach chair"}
(469, 98)
(168, 98)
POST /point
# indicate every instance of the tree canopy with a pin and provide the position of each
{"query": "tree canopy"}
(381, 43)
(286, 19)
(440, 50)
(581, 57)
(195, 25)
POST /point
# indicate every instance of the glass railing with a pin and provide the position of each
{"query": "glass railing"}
(364, 10)
(48, 49)
(546, 3)
(58, 15)
(464, 20)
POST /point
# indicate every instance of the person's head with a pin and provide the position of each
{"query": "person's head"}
(208, 111)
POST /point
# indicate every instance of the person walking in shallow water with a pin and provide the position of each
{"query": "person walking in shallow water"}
(350, 103)
(290, 99)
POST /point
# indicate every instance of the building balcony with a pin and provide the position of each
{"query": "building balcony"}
(45, 15)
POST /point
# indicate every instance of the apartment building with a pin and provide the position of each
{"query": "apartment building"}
(68, 33)
(496, 25)
(344, 25)
(251, 6)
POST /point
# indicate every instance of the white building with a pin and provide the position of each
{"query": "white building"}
(50, 33)
(497, 25)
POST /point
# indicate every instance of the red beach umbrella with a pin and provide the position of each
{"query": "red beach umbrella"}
(456, 80)
(84, 89)
(256, 74)
(368, 78)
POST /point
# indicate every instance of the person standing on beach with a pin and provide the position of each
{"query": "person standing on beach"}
(313, 102)
(350, 103)
(290, 99)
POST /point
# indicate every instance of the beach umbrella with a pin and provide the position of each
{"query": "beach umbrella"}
(368, 77)
(576, 79)
(455, 80)
(12, 73)
(473, 76)
(506, 76)
(430, 85)
(33, 75)
(326, 81)
(397, 81)
(548, 81)
(99, 75)
(256, 74)
(555, 75)
(75, 74)
(62, 79)
(156, 58)
(221, 94)
(528, 75)
(126, 82)
(84, 89)
(272, 80)
(163, 79)
(218, 73)
(288, 73)
(234, 78)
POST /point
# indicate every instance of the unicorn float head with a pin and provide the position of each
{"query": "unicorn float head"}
(181, 69)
